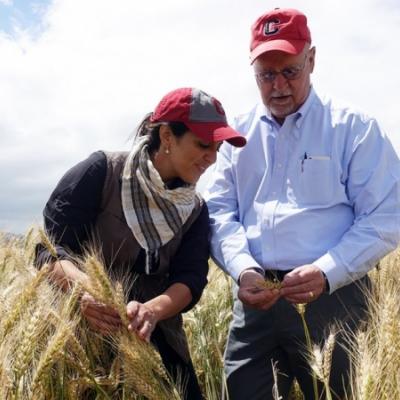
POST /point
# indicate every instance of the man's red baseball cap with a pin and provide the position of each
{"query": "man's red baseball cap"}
(283, 29)
(200, 112)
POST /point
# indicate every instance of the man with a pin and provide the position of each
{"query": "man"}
(313, 201)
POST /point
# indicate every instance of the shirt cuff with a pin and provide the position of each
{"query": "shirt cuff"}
(43, 255)
(336, 274)
(239, 263)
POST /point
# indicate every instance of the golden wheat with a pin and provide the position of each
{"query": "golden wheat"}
(46, 352)
(52, 354)
(376, 350)
(47, 243)
(24, 298)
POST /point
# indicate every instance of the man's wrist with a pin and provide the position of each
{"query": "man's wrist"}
(327, 287)
(254, 269)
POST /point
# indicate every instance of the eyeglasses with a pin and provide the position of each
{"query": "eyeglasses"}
(289, 73)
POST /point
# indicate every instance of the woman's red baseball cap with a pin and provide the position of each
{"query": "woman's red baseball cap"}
(200, 112)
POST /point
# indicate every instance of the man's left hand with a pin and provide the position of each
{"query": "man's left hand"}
(304, 284)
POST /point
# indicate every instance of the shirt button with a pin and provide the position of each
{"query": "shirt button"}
(274, 193)
(279, 165)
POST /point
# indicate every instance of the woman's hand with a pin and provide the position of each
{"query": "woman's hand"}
(100, 316)
(142, 319)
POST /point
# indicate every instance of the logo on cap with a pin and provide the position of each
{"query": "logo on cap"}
(218, 106)
(270, 27)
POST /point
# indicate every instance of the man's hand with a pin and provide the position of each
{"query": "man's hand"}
(253, 294)
(142, 319)
(100, 316)
(304, 284)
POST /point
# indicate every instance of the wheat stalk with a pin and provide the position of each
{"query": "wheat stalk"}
(24, 298)
(47, 243)
(321, 361)
(269, 284)
(24, 351)
(143, 370)
(301, 309)
(327, 355)
(52, 354)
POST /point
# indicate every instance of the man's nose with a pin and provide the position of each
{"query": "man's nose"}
(280, 82)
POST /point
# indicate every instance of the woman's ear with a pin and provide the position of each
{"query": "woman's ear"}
(165, 138)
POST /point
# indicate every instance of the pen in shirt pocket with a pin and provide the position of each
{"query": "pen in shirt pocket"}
(302, 161)
(318, 158)
(308, 157)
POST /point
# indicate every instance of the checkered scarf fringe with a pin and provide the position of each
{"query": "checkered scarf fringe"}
(154, 213)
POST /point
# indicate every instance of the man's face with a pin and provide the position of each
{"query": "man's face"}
(283, 95)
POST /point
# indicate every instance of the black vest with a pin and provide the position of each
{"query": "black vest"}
(120, 249)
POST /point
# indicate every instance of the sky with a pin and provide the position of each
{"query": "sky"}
(77, 76)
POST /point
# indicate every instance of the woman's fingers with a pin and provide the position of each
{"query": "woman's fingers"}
(132, 309)
(99, 315)
(146, 330)
(101, 325)
(142, 319)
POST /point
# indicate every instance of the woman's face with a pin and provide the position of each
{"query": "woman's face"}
(189, 156)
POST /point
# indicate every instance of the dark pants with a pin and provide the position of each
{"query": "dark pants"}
(259, 338)
(181, 372)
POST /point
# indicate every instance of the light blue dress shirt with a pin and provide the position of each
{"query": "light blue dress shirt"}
(321, 189)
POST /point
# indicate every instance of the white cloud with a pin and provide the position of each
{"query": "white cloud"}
(6, 2)
(85, 82)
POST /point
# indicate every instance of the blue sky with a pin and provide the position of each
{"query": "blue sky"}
(18, 15)
(78, 75)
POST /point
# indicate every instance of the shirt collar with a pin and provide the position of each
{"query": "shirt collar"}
(265, 116)
(305, 108)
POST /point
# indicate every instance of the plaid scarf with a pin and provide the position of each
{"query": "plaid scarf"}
(154, 213)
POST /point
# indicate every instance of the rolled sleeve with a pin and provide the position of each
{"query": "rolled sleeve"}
(229, 245)
(43, 255)
(373, 187)
(72, 208)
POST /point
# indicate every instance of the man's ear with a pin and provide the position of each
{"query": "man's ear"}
(311, 57)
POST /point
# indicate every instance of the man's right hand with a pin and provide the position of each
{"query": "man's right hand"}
(252, 294)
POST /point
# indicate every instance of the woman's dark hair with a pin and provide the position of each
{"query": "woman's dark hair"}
(152, 129)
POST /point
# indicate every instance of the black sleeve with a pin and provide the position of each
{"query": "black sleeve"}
(190, 263)
(73, 206)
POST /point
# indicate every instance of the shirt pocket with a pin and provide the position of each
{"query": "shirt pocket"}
(315, 181)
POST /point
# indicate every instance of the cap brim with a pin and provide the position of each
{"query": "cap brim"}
(211, 132)
(294, 47)
(231, 136)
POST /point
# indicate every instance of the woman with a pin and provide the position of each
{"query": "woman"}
(143, 211)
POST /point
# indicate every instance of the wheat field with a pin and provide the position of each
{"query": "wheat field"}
(48, 352)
